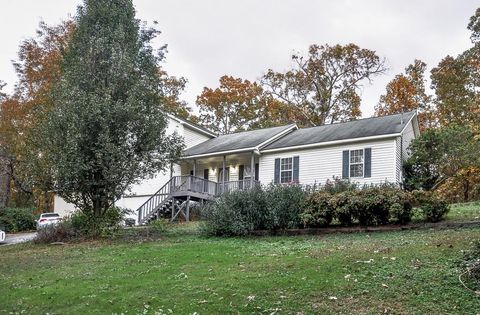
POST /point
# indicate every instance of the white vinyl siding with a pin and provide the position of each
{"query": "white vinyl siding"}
(322, 163)
(192, 137)
(407, 137)
(398, 159)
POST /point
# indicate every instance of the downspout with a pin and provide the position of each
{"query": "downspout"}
(401, 161)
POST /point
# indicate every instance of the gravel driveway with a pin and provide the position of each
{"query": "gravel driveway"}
(18, 238)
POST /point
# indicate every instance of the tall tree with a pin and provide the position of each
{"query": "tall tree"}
(107, 127)
(456, 82)
(230, 107)
(406, 92)
(38, 67)
(238, 104)
(324, 86)
(4, 163)
(171, 88)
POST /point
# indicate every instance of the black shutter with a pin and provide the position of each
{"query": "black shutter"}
(296, 162)
(276, 178)
(346, 163)
(368, 163)
(241, 169)
(256, 171)
(205, 173)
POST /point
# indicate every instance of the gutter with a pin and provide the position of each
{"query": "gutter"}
(218, 153)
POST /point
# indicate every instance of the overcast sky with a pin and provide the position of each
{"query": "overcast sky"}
(208, 39)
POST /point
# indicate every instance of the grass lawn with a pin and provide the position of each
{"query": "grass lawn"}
(393, 272)
(464, 211)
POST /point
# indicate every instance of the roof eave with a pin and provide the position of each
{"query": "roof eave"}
(192, 126)
(196, 156)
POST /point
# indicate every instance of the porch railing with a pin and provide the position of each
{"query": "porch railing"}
(231, 186)
(201, 185)
(178, 184)
(194, 184)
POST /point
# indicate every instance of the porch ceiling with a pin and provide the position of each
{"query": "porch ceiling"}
(217, 160)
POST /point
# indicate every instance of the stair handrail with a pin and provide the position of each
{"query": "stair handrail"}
(147, 208)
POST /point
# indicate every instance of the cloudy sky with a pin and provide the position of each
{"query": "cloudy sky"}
(210, 38)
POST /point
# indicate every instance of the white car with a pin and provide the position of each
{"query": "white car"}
(48, 219)
(2, 236)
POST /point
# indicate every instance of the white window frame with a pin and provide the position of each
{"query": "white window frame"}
(247, 172)
(290, 170)
(350, 163)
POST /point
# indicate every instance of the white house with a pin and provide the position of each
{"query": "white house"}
(365, 151)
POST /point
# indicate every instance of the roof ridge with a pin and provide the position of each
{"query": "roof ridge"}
(243, 131)
(351, 121)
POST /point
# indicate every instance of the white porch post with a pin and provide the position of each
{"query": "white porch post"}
(252, 169)
(194, 167)
(223, 172)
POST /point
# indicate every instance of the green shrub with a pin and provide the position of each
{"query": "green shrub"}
(343, 208)
(432, 206)
(370, 205)
(17, 219)
(401, 207)
(79, 225)
(317, 211)
(159, 226)
(338, 185)
(236, 213)
(284, 205)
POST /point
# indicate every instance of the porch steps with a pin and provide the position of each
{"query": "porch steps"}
(173, 199)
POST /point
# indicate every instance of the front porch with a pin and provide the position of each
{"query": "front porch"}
(201, 179)
(228, 173)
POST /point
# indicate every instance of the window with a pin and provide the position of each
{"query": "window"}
(247, 172)
(286, 170)
(356, 163)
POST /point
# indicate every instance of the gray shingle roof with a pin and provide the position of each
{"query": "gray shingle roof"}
(367, 127)
(235, 141)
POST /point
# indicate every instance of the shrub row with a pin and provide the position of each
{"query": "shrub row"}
(286, 207)
(373, 205)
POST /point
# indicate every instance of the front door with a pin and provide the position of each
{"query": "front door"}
(227, 174)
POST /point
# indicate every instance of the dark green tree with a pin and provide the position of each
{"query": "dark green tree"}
(107, 128)
(440, 154)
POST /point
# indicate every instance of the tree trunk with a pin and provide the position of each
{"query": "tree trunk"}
(466, 188)
(5, 180)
